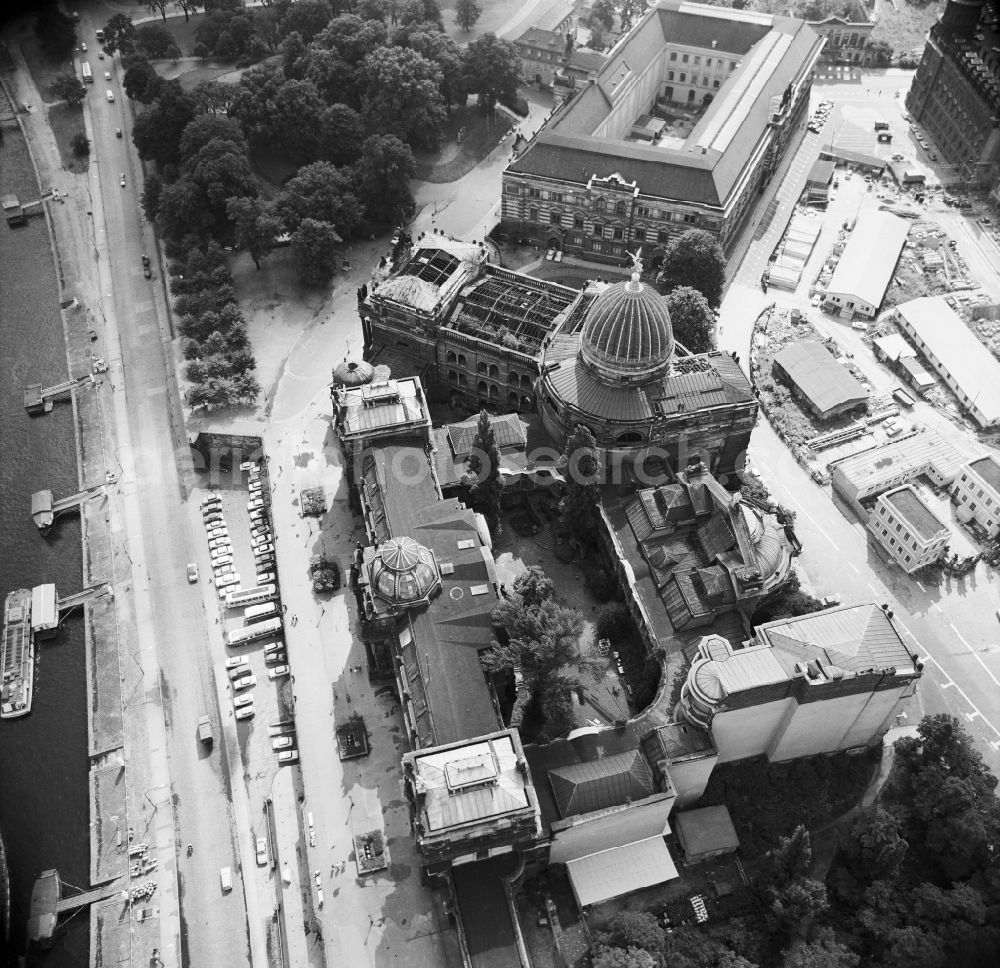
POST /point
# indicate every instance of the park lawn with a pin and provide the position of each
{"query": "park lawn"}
(45, 69)
(495, 14)
(903, 25)
(483, 134)
(66, 121)
(182, 31)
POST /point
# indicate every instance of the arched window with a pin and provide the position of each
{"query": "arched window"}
(482, 368)
(526, 382)
(494, 371)
(494, 390)
(629, 438)
(513, 378)
(463, 380)
(452, 376)
(451, 358)
(512, 399)
(462, 361)
(621, 209)
(600, 205)
(482, 388)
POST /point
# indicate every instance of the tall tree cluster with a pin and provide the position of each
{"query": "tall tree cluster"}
(483, 479)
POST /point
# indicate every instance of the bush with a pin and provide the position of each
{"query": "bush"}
(613, 620)
(79, 145)
(601, 582)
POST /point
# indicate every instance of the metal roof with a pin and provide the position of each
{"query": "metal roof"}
(823, 381)
(508, 429)
(607, 782)
(959, 353)
(706, 830)
(869, 260)
(621, 870)
(912, 455)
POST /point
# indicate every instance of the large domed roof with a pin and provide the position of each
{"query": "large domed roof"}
(627, 334)
(403, 572)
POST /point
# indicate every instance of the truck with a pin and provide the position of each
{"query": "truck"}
(205, 731)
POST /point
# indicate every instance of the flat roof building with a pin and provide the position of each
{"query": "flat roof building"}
(977, 493)
(818, 380)
(721, 95)
(867, 265)
(956, 355)
(888, 465)
(903, 524)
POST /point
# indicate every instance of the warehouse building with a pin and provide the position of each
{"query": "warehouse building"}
(822, 384)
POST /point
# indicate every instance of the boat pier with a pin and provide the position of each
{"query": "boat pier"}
(39, 399)
(76, 600)
(47, 903)
(44, 510)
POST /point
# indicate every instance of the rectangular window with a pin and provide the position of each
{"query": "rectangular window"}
(673, 55)
(555, 218)
(684, 58)
(640, 234)
(715, 84)
(670, 75)
(511, 189)
(597, 247)
(683, 77)
(663, 237)
(697, 59)
(899, 528)
(598, 230)
(708, 61)
(732, 65)
(556, 196)
(578, 221)
(534, 193)
(619, 234)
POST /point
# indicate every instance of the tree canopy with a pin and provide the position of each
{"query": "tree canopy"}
(467, 14)
(581, 466)
(485, 486)
(491, 69)
(384, 171)
(694, 259)
(403, 95)
(692, 319)
(321, 192)
(68, 88)
(315, 256)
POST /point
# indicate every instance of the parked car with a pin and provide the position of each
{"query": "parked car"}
(274, 658)
(288, 756)
(226, 879)
(107, 75)
(245, 682)
(223, 552)
(261, 852)
(192, 573)
(277, 672)
(214, 519)
(236, 661)
(217, 543)
(223, 583)
(245, 700)
(212, 498)
(263, 549)
(255, 504)
(282, 742)
(221, 564)
(222, 532)
(247, 712)
(265, 577)
(260, 536)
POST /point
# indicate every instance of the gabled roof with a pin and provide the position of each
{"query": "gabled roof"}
(869, 260)
(822, 380)
(508, 429)
(608, 782)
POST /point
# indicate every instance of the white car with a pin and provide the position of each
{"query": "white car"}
(277, 672)
(263, 549)
(218, 533)
(274, 647)
(83, 47)
(238, 672)
(256, 484)
(192, 573)
(240, 701)
(245, 682)
(216, 543)
(247, 712)
(224, 559)
(261, 852)
(255, 505)
(260, 531)
(265, 577)
(275, 658)
(288, 756)
(107, 75)
(211, 499)
(247, 465)
(236, 661)
(223, 552)
(282, 742)
(224, 583)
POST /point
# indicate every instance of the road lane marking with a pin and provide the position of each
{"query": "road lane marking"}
(920, 585)
(975, 654)
(935, 606)
(952, 684)
(855, 567)
(816, 524)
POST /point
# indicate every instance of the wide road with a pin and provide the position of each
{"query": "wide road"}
(170, 614)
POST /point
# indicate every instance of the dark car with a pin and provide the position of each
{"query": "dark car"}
(147, 269)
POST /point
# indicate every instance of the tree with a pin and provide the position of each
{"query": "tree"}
(157, 132)
(141, 82)
(214, 97)
(634, 929)
(187, 6)
(582, 469)
(603, 11)
(485, 486)
(402, 95)
(55, 31)
(151, 196)
(370, 9)
(825, 952)
(875, 849)
(353, 37)
(256, 226)
(68, 88)
(623, 958)
(119, 34)
(694, 259)
(383, 173)
(420, 12)
(440, 49)
(157, 7)
(321, 192)
(692, 319)
(154, 40)
(220, 170)
(295, 121)
(313, 246)
(491, 66)
(79, 145)
(341, 134)
(790, 860)
(534, 587)
(308, 17)
(467, 12)
(796, 904)
(210, 127)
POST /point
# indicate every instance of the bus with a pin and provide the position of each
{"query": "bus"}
(88, 74)
(256, 613)
(241, 597)
(258, 630)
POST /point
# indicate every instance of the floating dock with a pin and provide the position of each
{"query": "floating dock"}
(47, 903)
(44, 510)
(39, 399)
(17, 656)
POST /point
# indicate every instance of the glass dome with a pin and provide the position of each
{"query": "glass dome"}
(403, 572)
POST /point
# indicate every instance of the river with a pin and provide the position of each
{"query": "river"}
(43, 757)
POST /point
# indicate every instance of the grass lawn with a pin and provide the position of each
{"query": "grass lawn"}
(182, 30)
(44, 70)
(904, 25)
(453, 160)
(65, 122)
